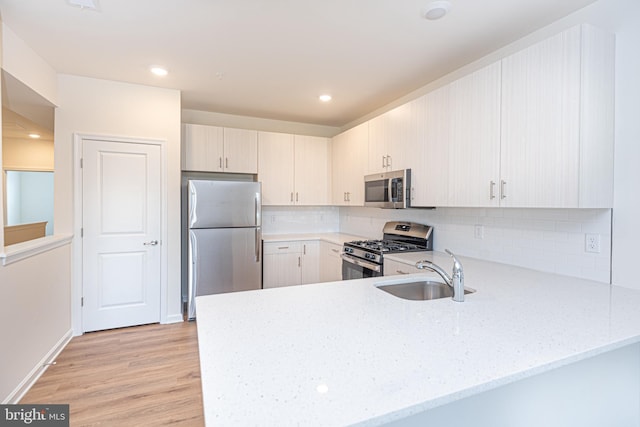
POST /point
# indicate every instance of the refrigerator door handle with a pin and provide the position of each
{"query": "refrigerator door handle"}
(258, 243)
(258, 210)
(258, 227)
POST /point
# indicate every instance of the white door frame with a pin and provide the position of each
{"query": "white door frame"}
(76, 291)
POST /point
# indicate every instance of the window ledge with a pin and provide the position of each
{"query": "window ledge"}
(20, 251)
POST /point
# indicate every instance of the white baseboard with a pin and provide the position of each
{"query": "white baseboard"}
(173, 318)
(18, 393)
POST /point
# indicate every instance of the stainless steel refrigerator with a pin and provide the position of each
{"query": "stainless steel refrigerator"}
(225, 240)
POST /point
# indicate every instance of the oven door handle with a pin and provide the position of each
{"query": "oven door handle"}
(361, 263)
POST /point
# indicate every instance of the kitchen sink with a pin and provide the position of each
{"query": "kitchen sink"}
(420, 290)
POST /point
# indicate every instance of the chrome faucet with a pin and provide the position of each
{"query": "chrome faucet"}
(455, 281)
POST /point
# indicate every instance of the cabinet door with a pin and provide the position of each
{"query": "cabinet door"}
(430, 155)
(310, 262)
(474, 138)
(401, 137)
(540, 148)
(240, 150)
(282, 264)
(349, 164)
(275, 168)
(203, 148)
(339, 169)
(312, 170)
(330, 262)
(394, 268)
(379, 134)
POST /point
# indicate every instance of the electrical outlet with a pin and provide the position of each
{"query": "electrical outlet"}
(592, 243)
(478, 231)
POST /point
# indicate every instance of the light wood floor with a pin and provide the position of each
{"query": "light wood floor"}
(138, 376)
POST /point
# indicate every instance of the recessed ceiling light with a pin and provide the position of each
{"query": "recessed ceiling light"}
(436, 10)
(159, 71)
(325, 98)
(34, 135)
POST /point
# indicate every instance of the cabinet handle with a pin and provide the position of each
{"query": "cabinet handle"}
(304, 249)
(283, 247)
(503, 189)
(292, 197)
(298, 261)
(348, 196)
(413, 193)
(220, 162)
(226, 163)
(296, 196)
(344, 197)
(388, 161)
(384, 158)
(401, 272)
(335, 250)
(492, 186)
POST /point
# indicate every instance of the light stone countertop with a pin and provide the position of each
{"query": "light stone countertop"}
(337, 238)
(345, 353)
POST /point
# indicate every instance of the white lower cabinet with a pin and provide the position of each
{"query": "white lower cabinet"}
(394, 268)
(330, 262)
(310, 262)
(290, 263)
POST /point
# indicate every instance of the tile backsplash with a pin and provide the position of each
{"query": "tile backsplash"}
(551, 240)
(300, 219)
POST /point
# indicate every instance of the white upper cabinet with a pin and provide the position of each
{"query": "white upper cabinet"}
(240, 150)
(349, 166)
(275, 168)
(389, 135)
(473, 135)
(217, 149)
(294, 169)
(429, 152)
(312, 168)
(203, 148)
(557, 122)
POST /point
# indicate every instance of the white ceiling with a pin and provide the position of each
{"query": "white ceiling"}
(272, 58)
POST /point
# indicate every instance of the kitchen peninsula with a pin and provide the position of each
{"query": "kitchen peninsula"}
(527, 348)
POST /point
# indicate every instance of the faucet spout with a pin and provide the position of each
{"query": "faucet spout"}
(455, 281)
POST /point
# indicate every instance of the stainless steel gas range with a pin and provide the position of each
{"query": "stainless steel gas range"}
(364, 258)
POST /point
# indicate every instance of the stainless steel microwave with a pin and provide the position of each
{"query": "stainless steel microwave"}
(389, 190)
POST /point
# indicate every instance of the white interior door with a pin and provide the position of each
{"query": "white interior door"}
(121, 210)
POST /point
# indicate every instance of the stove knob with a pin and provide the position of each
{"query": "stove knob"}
(348, 250)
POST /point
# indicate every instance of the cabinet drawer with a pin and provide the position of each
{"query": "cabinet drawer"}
(282, 248)
(392, 268)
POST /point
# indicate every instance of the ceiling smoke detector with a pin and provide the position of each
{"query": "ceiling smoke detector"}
(436, 10)
(84, 4)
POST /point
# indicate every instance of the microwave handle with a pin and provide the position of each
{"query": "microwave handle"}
(390, 189)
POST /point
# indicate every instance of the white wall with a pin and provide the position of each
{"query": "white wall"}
(255, 123)
(35, 315)
(30, 198)
(100, 107)
(23, 63)
(626, 211)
